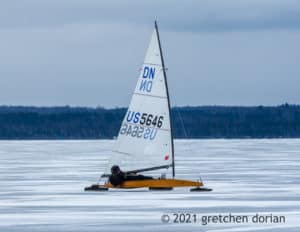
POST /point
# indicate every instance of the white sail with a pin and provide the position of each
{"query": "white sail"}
(144, 138)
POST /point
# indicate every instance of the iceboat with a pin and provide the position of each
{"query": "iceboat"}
(145, 140)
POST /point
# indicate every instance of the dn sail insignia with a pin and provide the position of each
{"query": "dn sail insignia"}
(145, 139)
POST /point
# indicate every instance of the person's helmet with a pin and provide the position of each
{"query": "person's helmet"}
(115, 169)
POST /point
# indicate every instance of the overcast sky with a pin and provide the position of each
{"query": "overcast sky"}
(88, 52)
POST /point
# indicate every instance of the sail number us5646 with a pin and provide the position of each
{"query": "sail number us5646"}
(145, 125)
(145, 119)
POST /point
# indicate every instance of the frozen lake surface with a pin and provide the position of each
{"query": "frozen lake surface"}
(42, 186)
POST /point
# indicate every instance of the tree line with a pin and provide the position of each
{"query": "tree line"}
(21, 122)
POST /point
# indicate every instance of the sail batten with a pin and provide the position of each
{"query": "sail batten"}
(159, 65)
(145, 136)
(164, 129)
(148, 95)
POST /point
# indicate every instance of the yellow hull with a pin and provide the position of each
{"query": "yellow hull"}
(160, 183)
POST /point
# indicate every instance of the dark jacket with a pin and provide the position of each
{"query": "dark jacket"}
(117, 179)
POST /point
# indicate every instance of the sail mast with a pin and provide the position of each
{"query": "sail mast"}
(169, 105)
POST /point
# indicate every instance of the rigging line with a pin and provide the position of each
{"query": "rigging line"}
(181, 121)
(101, 176)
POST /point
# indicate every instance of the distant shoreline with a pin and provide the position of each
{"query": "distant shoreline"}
(201, 122)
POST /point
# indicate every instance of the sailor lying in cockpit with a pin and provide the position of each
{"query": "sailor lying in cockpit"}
(117, 177)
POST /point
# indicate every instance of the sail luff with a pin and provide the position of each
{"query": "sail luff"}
(168, 97)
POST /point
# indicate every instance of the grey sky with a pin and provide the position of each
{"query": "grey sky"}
(88, 52)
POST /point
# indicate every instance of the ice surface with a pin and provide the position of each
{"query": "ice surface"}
(42, 186)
